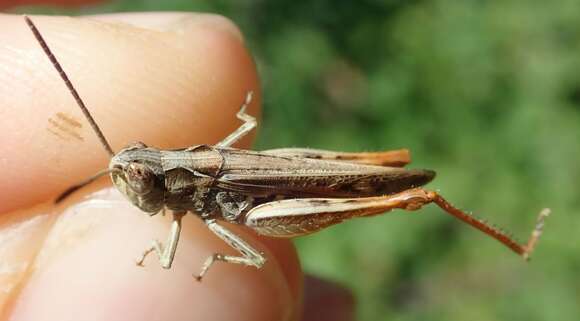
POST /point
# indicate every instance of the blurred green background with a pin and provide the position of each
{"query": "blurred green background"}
(487, 93)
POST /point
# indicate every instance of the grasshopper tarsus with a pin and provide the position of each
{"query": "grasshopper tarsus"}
(207, 264)
(536, 233)
(249, 123)
(140, 261)
(247, 101)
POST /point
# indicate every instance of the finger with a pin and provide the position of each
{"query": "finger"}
(327, 301)
(172, 82)
(10, 3)
(85, 270)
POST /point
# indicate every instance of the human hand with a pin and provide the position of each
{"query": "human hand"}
(170, 80)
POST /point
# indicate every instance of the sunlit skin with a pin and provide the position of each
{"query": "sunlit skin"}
(87, 255)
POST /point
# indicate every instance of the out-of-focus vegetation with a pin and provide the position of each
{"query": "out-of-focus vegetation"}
(487, 93)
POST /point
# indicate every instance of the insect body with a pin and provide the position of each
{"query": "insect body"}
(279, 193)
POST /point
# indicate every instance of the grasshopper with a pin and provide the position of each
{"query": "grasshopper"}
(283, 193)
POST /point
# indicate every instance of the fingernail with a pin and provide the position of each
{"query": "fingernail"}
(176, 22)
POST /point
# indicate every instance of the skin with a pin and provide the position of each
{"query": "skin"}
(76, 261)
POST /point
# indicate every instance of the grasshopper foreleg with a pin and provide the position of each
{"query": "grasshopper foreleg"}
(166, 252)
(250, 256)
(249, 124)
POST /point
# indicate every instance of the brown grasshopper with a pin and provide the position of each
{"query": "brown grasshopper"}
(278, 193)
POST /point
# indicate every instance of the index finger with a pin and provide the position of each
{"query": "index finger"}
(167, 82)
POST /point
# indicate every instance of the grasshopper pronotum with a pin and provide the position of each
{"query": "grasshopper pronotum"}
(278, 193)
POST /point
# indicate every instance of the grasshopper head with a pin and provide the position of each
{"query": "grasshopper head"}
(137, 173)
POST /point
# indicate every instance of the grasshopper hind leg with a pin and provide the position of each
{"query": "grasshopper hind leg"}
(295, 217)
(249, 124)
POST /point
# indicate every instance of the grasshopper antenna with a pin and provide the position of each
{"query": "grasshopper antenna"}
(70, 86)
(80, 185)
(81, 105)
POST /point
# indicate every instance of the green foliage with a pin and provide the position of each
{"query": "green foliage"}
(485, 92)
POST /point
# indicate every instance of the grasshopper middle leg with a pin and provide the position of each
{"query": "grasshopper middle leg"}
(249, 124)
(250, 256)
(166, 252)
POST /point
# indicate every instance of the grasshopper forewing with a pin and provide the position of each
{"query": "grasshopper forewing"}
(279, 193)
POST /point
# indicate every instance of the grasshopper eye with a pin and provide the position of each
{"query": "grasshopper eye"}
(139, 177)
